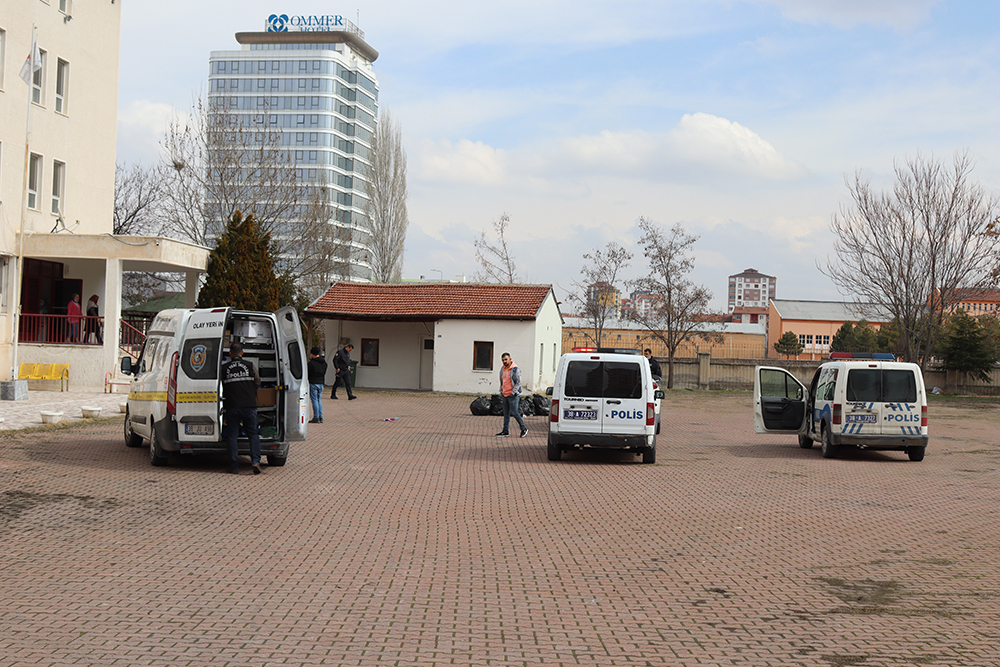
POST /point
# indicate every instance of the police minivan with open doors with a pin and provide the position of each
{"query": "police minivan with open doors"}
(175, 403)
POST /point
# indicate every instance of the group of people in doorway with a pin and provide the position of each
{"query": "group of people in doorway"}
(316, 369)
(74, 313)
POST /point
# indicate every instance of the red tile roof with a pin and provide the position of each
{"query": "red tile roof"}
(430, 301)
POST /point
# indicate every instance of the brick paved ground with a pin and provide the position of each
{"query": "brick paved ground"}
(425, 541)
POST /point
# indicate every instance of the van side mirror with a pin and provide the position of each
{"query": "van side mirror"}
(127, 365)
(659, 393)
(548, 391)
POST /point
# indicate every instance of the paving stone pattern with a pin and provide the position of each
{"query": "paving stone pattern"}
(427, 541)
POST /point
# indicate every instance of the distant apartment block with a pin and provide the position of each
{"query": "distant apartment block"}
(607, 295)
(751, 289)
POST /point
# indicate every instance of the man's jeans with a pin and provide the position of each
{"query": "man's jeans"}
(512, 404)
(248, 418)
(316, 395)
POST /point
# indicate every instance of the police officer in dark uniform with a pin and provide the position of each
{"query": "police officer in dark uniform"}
(239, 387)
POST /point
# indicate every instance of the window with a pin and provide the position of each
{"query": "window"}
(482, 356)
(58, 183)
(66, 6)
(34, 180)
(369, 351)
(36, 81)
(809, 340)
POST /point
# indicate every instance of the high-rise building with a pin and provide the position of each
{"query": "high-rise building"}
(751, 289)
(310, 80)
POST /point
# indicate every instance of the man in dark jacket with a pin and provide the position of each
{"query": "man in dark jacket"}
(239, 389)
(317, 380)
(654, 365)
(342, 362)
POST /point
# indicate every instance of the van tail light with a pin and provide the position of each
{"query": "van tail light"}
(838, 413)
(650, 414)
(923, 416)
(172, 386)
(554, 410)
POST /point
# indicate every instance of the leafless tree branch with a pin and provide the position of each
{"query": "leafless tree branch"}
(495, 258)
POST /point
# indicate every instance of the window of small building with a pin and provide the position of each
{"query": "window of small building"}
(482, 355)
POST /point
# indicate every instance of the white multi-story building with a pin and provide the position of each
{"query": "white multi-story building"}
(751, 289)
(310, 79)
(57, 186)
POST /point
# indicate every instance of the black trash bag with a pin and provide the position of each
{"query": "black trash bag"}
(480, 407)
(541, 404)
(526, 406)
(496, 404)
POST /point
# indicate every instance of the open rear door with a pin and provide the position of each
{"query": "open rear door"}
(779, 401)
(294, 376)
(197, 377)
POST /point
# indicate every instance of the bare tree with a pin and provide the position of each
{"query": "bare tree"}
(912, 249)
(222, 161)
(385, 205)
(596, 293)
(678, 310)
(138, 196)
(495, 257)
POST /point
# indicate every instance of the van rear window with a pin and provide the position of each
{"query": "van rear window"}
(884, 386)
(597, 379)
(200, 358)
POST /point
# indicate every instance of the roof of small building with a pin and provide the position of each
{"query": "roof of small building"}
(837, 311)
(430, 301)
(967, 294)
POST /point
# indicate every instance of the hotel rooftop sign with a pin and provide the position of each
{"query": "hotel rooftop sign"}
(313, 23)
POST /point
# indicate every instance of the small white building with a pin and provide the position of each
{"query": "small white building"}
(442, 336)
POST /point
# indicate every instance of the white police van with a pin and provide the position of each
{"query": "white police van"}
(867, 400)
(175, 403)
(603, 399)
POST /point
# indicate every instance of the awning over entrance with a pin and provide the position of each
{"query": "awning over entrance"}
(138, 253)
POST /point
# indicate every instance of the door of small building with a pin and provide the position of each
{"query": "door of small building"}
(427, 362)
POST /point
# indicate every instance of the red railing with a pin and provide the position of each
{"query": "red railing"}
(130, 339)
(57, 329)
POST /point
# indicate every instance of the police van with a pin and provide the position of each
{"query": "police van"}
(175, 403)
(868, 401)
(603, 399)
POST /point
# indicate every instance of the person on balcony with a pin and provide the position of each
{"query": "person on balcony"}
(73, 315)
(93, 322)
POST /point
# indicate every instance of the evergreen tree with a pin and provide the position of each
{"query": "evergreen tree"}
(865, 337)
(965, 347)
(241, 269)
(788, 344)
(843, 340)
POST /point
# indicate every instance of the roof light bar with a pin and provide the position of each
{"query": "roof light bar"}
(884, 356)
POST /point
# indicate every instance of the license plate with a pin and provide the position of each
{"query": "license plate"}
(863, 419)
(199, 429)
(579, 414)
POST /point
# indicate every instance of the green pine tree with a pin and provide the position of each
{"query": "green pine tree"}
(788, 344)
(966, 347)
(843, 340)
(865, 337)
(241, 269)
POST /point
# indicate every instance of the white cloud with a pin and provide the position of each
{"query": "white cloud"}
(141, 126)
(899, 14)
(445, 162)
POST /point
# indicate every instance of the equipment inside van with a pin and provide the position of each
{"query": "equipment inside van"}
(176, 399)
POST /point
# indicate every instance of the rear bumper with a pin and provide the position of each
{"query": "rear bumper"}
(166, 435)
(601, 441)
(888, 442)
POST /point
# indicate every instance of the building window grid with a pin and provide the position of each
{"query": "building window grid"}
(62, 85)
(58, 183)
(34, 180)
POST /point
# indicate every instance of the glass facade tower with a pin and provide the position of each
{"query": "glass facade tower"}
(315, 89)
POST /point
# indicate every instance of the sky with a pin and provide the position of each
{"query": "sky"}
(737, 119)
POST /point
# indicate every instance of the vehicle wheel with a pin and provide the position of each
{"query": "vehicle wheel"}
(915, 453)
(132, 439)
(156, 454)
(649, 454)
(828, 449)
(275, 460)
(555, 451)
(805, 442)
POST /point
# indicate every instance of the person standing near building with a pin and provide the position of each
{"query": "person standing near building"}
(73, 315)
(239, 384)
(654, 365)
(317, 380)
(93, 325)
(510, 387)
(342, 362)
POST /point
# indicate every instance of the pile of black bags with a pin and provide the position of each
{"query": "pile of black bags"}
(530, 404)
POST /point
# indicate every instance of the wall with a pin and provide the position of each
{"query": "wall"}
(453, 355)
(399, 351)
(548, 344)
(87, 364)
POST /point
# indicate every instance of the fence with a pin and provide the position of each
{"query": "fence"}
(57, 329)
(705, 372)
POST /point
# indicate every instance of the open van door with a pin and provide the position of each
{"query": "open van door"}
(779, 401)
(196, 375)
(295, 378)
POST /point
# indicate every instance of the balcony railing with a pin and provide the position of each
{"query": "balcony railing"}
(130, 339)
(57, 329)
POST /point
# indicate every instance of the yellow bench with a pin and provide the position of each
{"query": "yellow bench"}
(56, 372)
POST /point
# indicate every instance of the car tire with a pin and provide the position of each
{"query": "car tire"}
(554, 450)
(915, 453)
(157, 456)
(805, 442)
(828, 449)
(276, 461)
(132, 439)
(649, 454)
